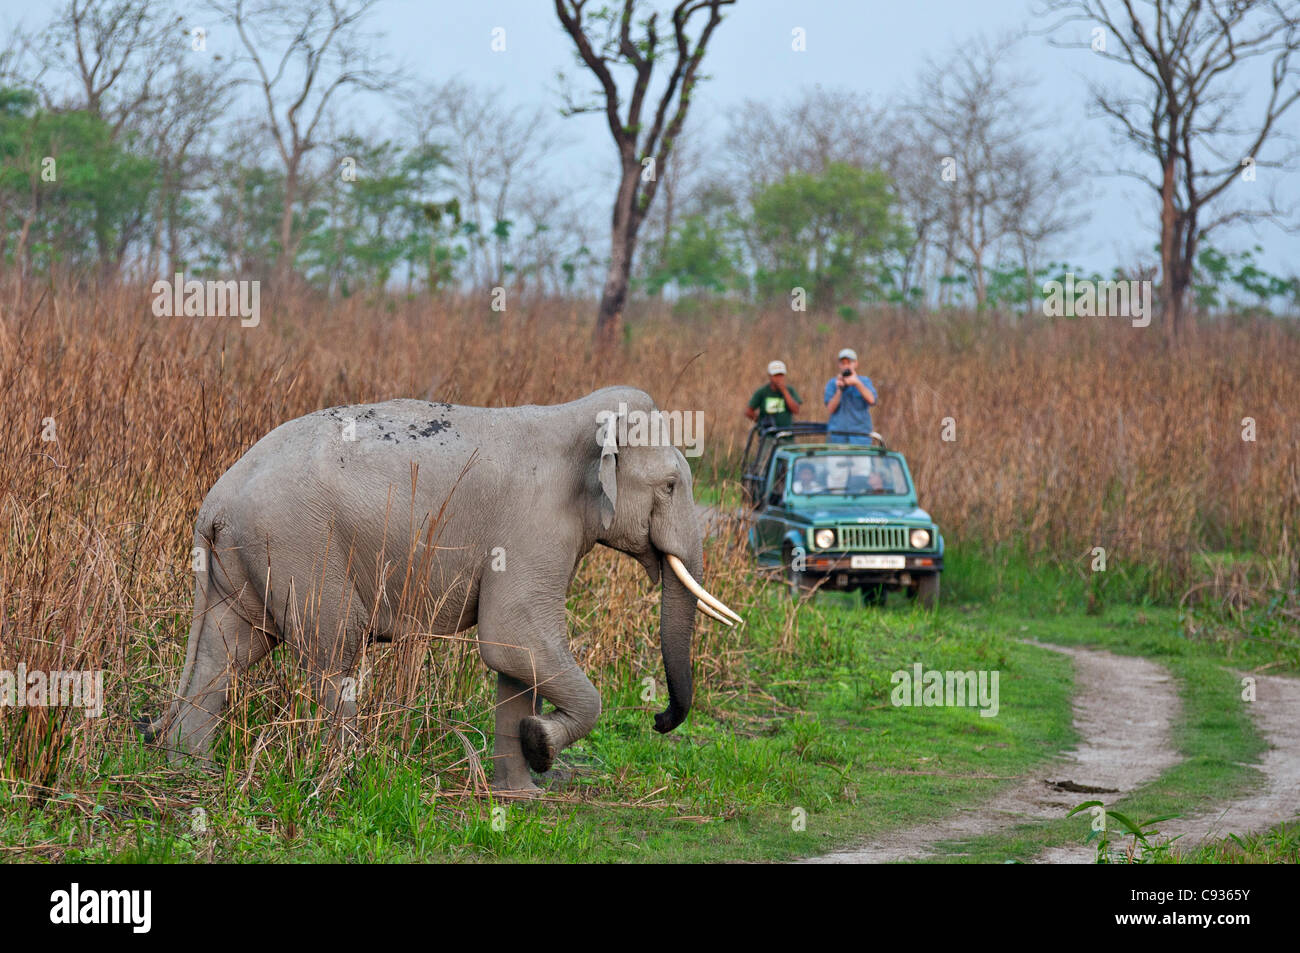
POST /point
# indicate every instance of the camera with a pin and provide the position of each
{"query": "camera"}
(846, 372)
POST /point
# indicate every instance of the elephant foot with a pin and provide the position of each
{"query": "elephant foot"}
(517, 789)
(535, 739)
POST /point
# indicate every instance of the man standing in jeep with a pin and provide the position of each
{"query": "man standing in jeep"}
(849, 399)
(774, 404)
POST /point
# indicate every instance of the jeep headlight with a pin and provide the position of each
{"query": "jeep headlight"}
(920, 538)
(824, 538)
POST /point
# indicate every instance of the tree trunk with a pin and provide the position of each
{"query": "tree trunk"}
(1188, 240)
(20, 254)
(173, 236)
(977, 264)
(283, 262)
(609, 319)
(1170, 292)
(627, 219)
(103, 247)
(1031, 287)
(668, 225)
(156, 236)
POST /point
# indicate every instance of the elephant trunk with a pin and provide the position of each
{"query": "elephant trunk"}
(676, 627)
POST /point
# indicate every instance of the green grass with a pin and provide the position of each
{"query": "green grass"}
(814, 732)
(1278, 845)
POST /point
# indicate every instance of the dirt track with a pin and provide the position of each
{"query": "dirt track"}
(1124, 707)
(1276, 709)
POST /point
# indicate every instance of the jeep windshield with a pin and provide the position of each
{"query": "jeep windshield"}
(848, 475)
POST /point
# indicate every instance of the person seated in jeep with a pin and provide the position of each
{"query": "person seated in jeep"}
(808, 478)
(885, 477)
(851, 475)
(867, 477)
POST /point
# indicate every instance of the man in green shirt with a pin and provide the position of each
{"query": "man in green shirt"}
(774, 404)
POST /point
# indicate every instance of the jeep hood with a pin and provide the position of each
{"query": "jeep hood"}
(854, 513)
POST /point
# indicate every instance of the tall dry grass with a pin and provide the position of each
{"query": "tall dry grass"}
(1068, 436)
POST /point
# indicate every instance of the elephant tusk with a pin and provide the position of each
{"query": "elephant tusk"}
(687, 580)
(711, 613)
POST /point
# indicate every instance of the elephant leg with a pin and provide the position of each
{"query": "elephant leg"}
(523, 637)
(324, 632)
(521, 730)
(577, 706)
(515, 702)
(221, 644)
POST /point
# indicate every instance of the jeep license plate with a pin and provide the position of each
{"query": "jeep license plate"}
(877, 562)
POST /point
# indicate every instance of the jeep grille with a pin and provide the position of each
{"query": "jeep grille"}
(873, 538)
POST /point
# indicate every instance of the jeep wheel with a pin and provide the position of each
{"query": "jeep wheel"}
(873, 595)
(796, 581)
(927, 591)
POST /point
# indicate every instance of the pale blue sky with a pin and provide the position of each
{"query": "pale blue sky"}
(873, 46)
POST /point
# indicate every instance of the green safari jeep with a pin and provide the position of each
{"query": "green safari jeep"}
(839, 516)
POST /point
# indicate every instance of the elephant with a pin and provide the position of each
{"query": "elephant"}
(319, 534)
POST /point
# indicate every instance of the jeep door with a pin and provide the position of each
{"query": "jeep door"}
(772, 523)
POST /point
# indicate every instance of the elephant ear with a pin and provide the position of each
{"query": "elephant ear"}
(607, 438)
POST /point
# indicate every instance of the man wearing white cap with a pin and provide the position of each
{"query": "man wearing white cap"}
(849, 399)
(774, 404)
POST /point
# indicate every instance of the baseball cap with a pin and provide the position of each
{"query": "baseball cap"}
(776, 367)
(848, 352)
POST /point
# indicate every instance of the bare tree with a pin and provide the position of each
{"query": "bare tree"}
(968, 109)
(995, 180)
(493, 150)
(1186, 55)
(237, 206)
(819, 126)
(178, 124)
(20, 61)
(552, 243)
(911, 159)
(643, 152)
(1040, 209)
(113, 49)
(304, 54)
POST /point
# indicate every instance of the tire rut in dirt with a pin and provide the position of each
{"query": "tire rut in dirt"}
(1124, 709)
(1275, 709)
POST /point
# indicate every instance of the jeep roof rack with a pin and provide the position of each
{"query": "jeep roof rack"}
(805, 429)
